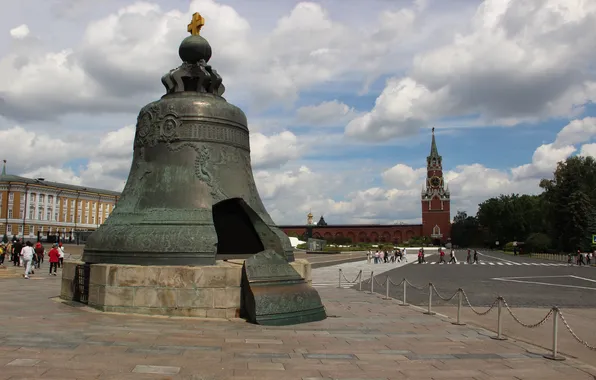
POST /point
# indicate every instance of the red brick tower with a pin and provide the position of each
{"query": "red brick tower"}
(436, 210)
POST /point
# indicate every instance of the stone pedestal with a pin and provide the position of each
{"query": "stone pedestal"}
(185, 291)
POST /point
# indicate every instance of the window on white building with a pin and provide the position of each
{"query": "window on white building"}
(80, 204)
(10, 197)
(9, 229)
(22, 211)
(93, 219)
(10, 213)
(20, 229)
(71, 218)
(79, 217)
(100, 219)
(50, 199)
(31, 230)
(72, 203)
(31, 212)
(32, 197)
(40, 214)
(42, 198)
(56, 216)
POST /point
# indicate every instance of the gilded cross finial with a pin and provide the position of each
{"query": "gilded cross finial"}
(433, 129)
(196, 24)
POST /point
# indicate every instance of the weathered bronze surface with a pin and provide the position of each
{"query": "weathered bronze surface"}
(190, 195)
(274, 294)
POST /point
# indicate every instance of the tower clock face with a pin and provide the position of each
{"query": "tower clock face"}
(435, 181)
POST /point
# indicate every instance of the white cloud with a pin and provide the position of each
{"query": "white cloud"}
(331, 113)
(125, 54)
(516, 64)
(273, 151)
(20, 32)
(588, 150)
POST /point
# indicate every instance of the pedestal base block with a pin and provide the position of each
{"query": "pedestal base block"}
(184, 291)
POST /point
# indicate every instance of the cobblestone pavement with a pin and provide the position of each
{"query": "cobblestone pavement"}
(365, 337)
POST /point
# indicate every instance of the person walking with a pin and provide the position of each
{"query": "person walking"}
(580, 258)
(475, 257)
(62, 254)
(441, 256)
(16, 253)
(39, 251)
(54, 256)
(452, 260)
(469, 257)
(27, 253)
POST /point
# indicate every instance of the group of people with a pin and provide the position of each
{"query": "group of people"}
(31, 257)
(385, 256)
(470, 259)
(399, 254)
(582, 258)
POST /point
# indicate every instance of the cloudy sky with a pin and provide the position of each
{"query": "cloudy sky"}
(341, 95)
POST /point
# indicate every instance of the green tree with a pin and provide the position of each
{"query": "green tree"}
(465, 230)
(511, 217)
(570, 197)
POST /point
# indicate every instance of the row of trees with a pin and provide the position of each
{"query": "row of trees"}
(562, 218)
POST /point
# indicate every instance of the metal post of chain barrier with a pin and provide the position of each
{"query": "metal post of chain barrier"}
(460, 297)
(499, 320)
(387, 289)
(372, 283)
(554, 354)
(430, 299)
(360, 281)
(405, 303)
(339, 286)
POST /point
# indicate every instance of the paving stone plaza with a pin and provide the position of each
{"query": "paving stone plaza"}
(364, 337)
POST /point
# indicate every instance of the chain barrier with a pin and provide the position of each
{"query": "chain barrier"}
(530, 326)
(358, 276)
(481, 313)
(441, 297)
(553, 313)
(421, 288)
(380, 283)
(574, 335)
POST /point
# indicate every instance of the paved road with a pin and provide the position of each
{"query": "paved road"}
(329, 276)
(523, 281)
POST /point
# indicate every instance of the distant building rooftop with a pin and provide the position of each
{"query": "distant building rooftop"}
(15, 178)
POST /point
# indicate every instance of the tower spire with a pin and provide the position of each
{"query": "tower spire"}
(4, 168)
(434, 152)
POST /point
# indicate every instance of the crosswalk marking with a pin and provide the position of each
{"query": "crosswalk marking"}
(495, 263)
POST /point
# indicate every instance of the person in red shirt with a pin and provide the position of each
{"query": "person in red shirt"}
(54, 256)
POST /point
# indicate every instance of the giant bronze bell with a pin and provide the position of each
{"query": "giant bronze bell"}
(190, 196)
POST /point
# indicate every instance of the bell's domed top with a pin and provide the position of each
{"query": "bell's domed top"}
(194, 47)
(194, 75)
